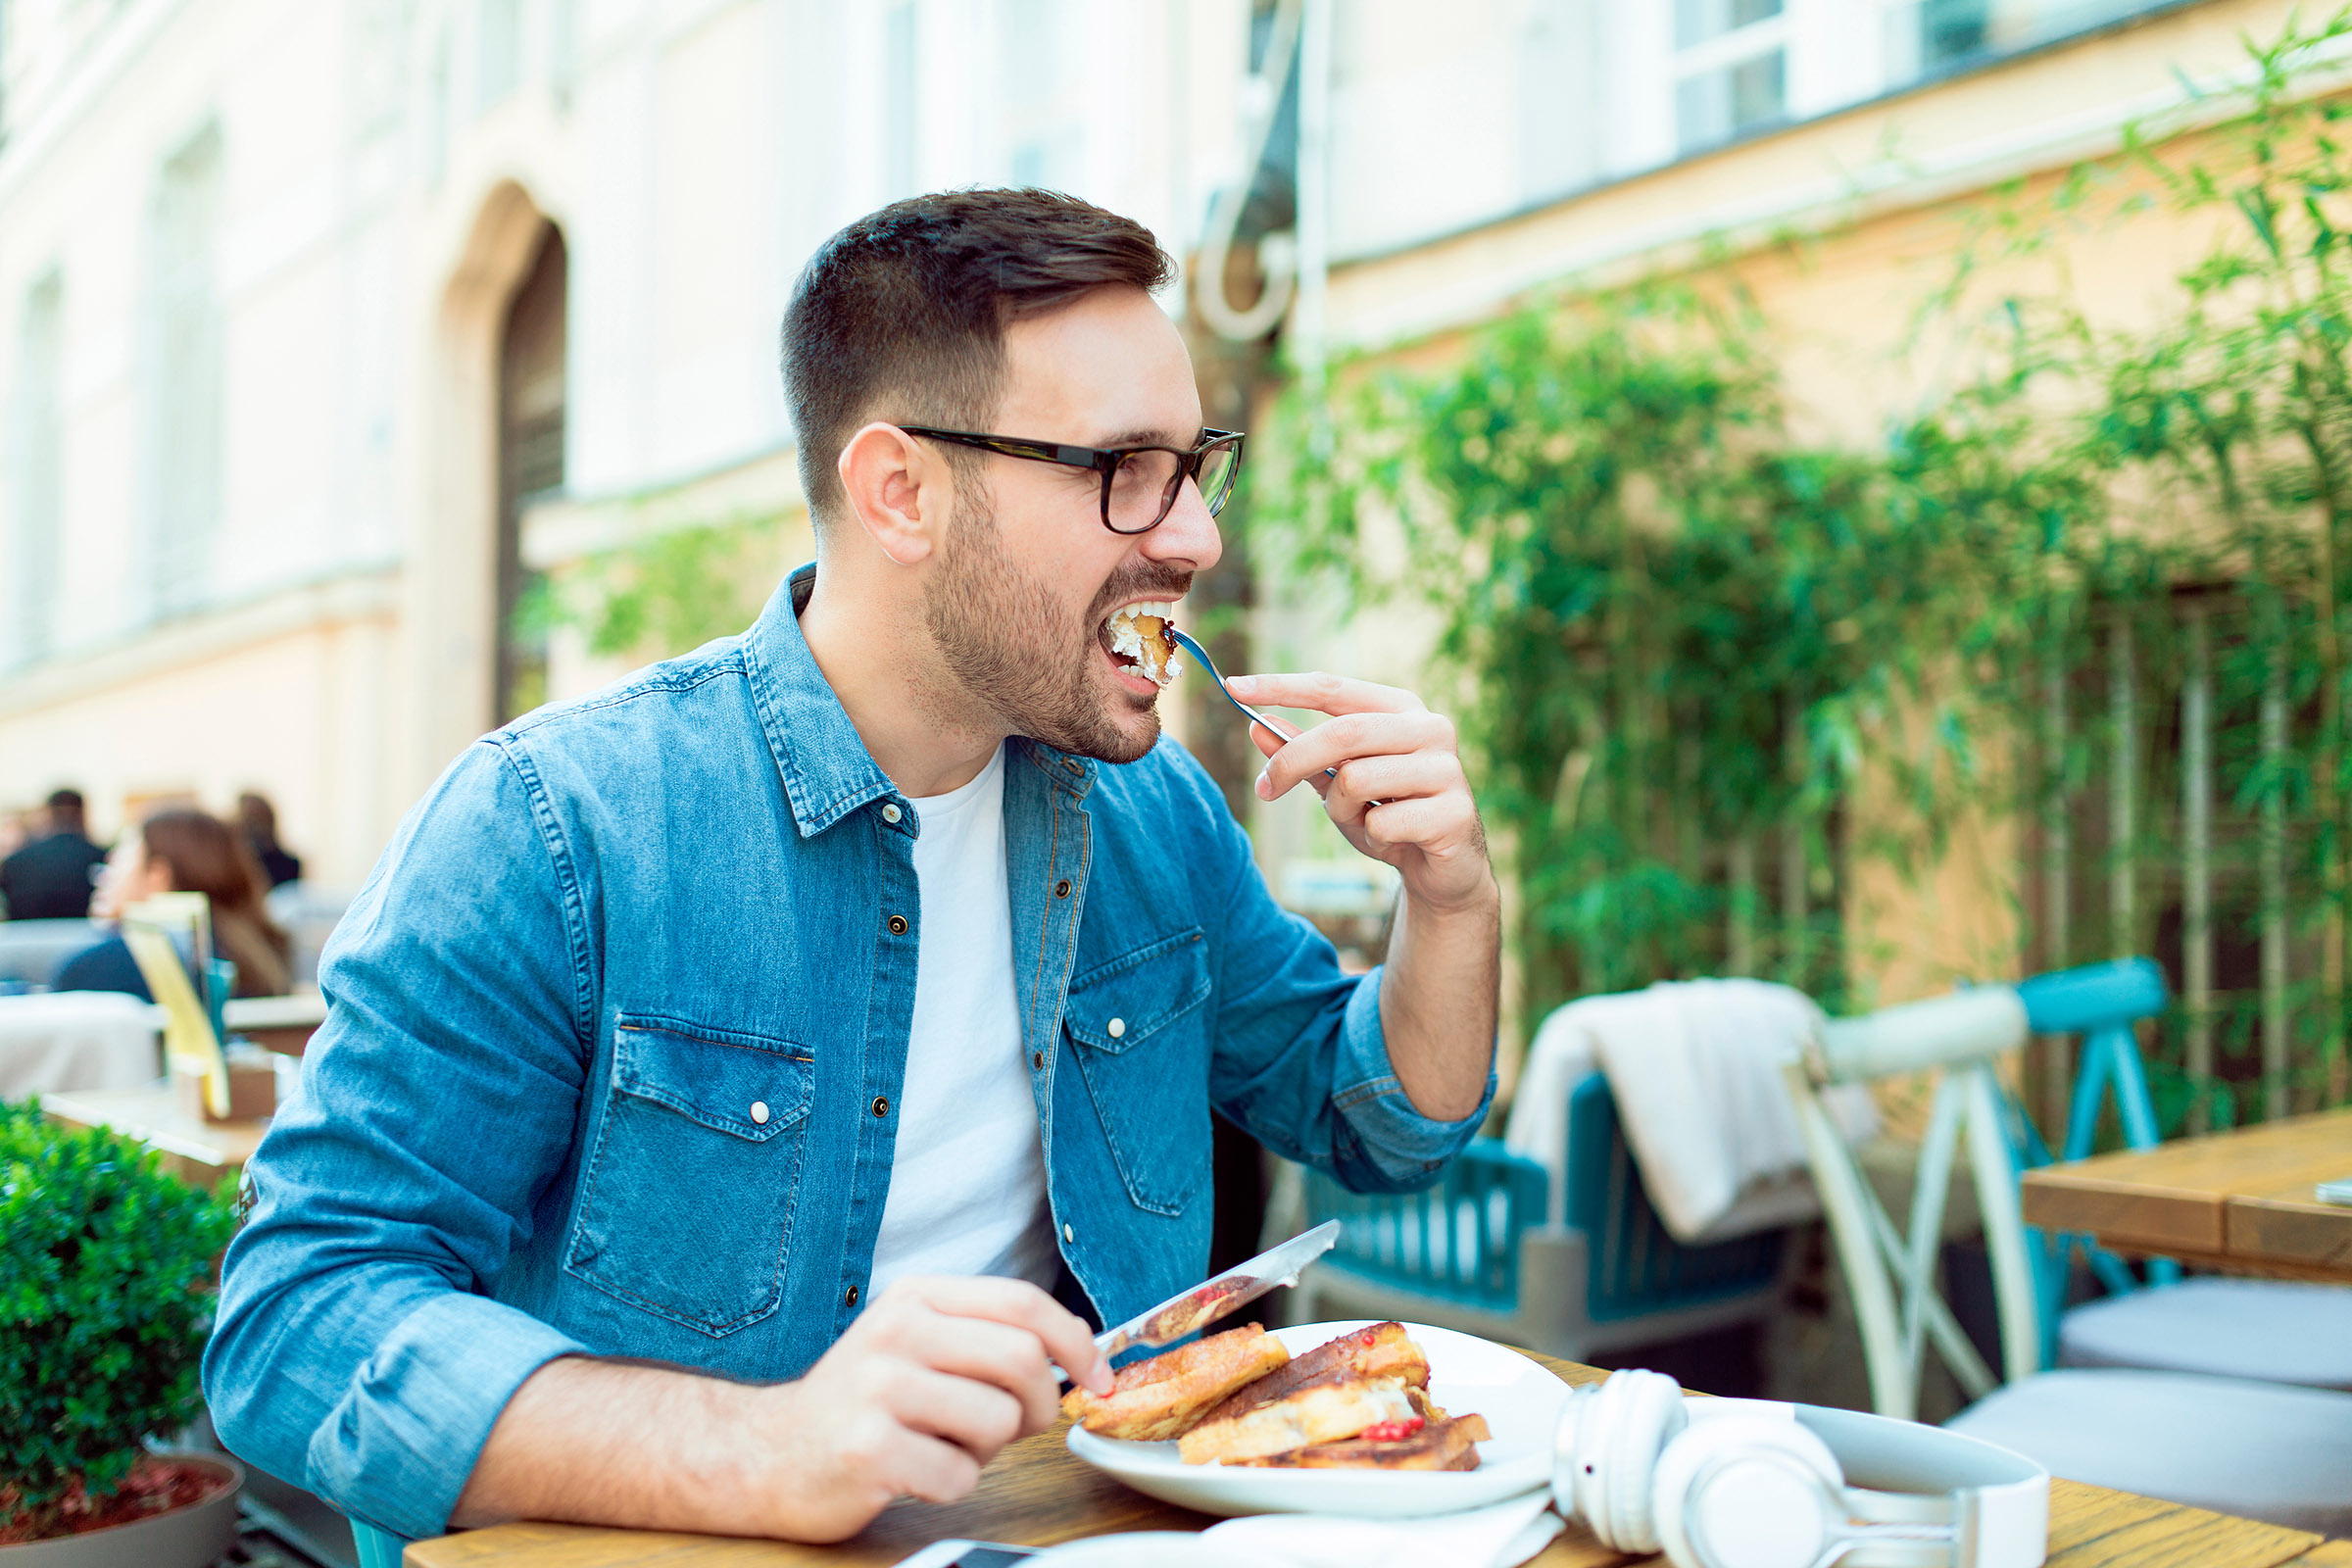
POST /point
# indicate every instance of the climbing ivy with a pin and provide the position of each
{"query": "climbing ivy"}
(1711, 666)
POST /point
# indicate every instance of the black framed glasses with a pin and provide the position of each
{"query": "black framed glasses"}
(1139, 484)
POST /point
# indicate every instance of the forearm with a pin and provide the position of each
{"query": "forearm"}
(620, 1443)
(1439, 998)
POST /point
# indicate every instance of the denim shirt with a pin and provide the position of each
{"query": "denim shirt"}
(616, 1038)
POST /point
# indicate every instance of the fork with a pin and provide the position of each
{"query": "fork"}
(1192, 645)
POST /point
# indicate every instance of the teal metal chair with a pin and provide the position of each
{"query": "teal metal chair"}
(378, 1548)
(1480, 1252)
(2104, 1003)
(2271, 1331)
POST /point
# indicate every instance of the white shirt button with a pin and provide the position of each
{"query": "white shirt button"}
(891, 813)
(1069, 1235)
(759, 1111)
(1119, 1027)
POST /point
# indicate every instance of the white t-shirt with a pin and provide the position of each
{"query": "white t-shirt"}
(968, 1181)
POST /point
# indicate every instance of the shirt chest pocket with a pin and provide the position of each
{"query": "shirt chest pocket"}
(686, 1207)
(1139, 1023)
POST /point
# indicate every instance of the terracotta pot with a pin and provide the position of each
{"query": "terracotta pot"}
(186, 1538)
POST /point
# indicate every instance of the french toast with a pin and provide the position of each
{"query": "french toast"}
(1326, 1410)
(1380, 1350)
(1438, 1444)
(1168, 1395)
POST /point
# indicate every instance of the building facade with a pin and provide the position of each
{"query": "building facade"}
(326, 326)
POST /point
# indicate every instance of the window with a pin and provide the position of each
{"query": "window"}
(497, 51)
(1927, 37)
(4, 67)
(902, 95)
(564, 48)
(1514, 104)
(1041, 131)
(36, 467)
(184, 382)
(1730, 69)
(437, 111)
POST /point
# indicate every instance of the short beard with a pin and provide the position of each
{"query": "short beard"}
(1002, 633)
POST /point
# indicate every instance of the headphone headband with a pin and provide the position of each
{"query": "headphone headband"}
(1997, 1502)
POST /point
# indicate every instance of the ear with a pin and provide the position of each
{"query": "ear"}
(900, 491)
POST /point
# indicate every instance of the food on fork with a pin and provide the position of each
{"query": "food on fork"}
(1168, 1394)
(1139, 637)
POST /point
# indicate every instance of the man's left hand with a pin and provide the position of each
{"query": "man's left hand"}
(1400, 795)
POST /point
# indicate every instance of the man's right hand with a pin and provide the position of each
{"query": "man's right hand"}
(923, 1390)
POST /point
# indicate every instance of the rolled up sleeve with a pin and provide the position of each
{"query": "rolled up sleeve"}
(357, 1349)
(1384, 1143)
(1302, 1059)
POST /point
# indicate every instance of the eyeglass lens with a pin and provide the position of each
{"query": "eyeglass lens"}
(1144, 489)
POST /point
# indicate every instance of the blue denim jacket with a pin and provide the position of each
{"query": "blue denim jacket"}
(616, 929)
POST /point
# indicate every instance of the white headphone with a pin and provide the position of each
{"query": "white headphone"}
(1758, 1484)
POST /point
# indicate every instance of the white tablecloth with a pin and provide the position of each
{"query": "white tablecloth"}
(65, 1039)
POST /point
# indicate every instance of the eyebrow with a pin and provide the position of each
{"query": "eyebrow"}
(1151, 438)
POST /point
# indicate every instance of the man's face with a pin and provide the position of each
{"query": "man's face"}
(1028, 577)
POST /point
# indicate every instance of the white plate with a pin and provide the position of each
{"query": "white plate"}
(1519, 1398)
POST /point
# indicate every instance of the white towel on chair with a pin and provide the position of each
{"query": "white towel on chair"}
(1695, 1070)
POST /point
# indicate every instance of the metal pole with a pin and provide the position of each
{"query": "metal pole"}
(2058, 833)
(1742, 944)
(2123, 794)
(1307, 324)
(2057, 853)
(1792, 845)
(2196, 844)
(2273, 895)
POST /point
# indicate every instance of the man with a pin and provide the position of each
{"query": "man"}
(744, 1194)
(52, 877)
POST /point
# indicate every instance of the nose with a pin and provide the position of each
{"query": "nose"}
(1188, 534)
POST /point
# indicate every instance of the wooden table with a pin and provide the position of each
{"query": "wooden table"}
(198, 1150)
(2240, 1201)
(283, 1024)
(1036, 1494)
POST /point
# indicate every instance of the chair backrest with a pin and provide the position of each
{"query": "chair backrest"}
(191, 1037)
(1891, 1272)
(31, 950)
(377, 1549)
(1636, 1265)
(2103, 1003)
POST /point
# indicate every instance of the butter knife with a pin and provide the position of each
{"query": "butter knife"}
(1180, 1314)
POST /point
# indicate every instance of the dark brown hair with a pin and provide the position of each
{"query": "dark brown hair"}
(206, 856)
(258, 818)
(902, 315)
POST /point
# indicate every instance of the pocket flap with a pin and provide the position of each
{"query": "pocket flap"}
(748, 1085)
(1118, 1005)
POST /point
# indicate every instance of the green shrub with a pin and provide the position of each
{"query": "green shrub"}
(105, 1295)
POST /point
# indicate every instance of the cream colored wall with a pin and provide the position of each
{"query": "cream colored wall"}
(274, 710)
(1837, 229)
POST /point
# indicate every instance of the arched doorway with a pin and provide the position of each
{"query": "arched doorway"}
(531, 463)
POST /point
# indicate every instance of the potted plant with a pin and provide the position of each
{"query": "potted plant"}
(105, 1295)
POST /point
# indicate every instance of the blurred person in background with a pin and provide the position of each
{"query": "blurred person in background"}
(50, 878)
(258, 818)
(184, 851)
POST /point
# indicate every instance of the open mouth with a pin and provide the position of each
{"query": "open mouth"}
(1138, 640)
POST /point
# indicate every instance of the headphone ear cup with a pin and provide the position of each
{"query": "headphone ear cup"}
(1782, 1519)
(1611, 1438)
